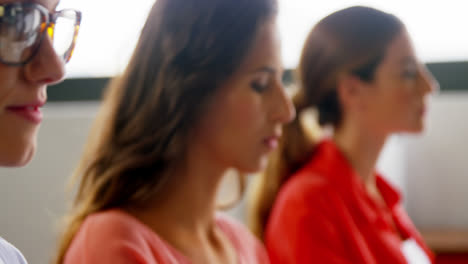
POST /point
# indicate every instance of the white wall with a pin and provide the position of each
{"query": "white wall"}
(436, 175)
(32, 198)
(430, 170)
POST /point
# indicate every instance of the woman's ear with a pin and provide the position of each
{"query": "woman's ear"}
(349, 90)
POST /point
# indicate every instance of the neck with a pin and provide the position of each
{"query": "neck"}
(362, 148)
(184, 211)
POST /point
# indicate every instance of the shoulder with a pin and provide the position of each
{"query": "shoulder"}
(306, 214)
(248, 247)
(307, 189)
(112, 236)
(112, 224)
(10, 254)
(306, 203)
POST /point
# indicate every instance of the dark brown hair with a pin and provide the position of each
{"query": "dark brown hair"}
(187, 48)
(352, 40)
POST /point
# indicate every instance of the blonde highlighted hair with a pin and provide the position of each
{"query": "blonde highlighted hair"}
(187, 48)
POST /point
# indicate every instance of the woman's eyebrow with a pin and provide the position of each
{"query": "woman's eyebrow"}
(266, 69)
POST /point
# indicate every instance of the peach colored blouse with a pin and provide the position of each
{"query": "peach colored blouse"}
(115, 237)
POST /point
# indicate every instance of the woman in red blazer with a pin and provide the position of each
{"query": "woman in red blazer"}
(321, 201)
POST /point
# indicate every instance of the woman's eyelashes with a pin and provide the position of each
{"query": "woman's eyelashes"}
(260, 84)
(410, 70)
(410, 74)
(259, 88)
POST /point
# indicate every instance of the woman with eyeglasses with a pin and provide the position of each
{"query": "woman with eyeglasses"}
(202, 94)
(32, 56)
(321, 199)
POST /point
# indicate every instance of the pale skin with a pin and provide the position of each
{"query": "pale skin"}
(394, 102)
(24, 88)
(241, 125)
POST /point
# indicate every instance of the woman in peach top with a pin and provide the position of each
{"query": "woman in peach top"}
(201, 94)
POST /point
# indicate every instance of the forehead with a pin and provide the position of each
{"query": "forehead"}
(49, 4)
(400, 50)
(265, 49)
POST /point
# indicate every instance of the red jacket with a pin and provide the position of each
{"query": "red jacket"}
(323, 214)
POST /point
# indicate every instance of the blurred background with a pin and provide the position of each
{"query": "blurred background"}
(430, 169)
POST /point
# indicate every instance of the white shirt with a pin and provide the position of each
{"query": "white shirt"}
(9, 254)
(413, 253)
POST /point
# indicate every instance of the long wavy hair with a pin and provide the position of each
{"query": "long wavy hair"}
(353, 40)
(187, 48)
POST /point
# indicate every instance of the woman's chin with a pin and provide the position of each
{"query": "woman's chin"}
(254, 167)
(19, 160)
(415, 129)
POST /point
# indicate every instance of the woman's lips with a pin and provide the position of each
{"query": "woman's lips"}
(31, 113)
(271, 142)
(423, 111)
